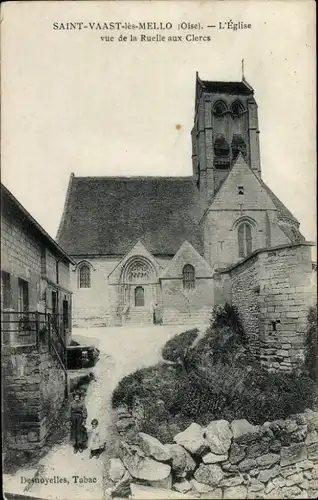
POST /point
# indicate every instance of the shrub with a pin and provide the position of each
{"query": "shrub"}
(311, 357)
(176, 349)
(225, 339)
(171, 398)
(215, 378)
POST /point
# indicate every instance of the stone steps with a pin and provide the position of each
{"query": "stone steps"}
(139, 317)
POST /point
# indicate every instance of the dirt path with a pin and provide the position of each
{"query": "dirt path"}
(122, 351)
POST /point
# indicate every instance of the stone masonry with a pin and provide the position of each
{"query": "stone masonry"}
(273, 290)
(223, 460)
(35, 282)
(34, 392)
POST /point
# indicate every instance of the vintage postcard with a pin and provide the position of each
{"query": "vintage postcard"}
(158, 262)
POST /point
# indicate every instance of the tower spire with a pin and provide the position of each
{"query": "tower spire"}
(243, 70)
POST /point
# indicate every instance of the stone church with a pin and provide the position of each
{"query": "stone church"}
(145, 244)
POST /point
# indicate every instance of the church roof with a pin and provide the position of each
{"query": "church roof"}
(218, 87)
(282, 210)
(227, 87)
(107, 215)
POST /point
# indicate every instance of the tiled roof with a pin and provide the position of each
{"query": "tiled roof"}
(107, 215)
(12, 207)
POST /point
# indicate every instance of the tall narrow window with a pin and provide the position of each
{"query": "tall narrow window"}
(139, 296)
(84, 276)
(5, 290)
(65, 314)
(188, 275)
(23, 296)
(245, 239)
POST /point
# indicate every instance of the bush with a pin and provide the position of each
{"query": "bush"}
(311, 357)
(170, 398)
(176, 349)
(215, 378)
(225, 339)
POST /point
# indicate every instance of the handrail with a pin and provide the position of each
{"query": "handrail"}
(60, 361)
(56, 330)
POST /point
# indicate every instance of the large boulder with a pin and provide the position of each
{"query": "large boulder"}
(289, 470)
(257, 449)
(311, 418)
(182, 486)
(312, 437)
(267, 460)
(192, 439)
(209, 474)
(141, 467)
(218, 436)
(232, 481)
(313, 451)
(152, 447)
(265, 475)
(122, 487)
(243, 431)
(201, 487)
(247, 465)
(116, 469)
(237, 453)
(182, 462)
(294, 453)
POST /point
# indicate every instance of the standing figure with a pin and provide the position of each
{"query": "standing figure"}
(95, 443)
(157, 315)
(78, 421)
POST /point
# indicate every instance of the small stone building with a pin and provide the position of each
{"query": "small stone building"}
(145, 243)
(36, 325)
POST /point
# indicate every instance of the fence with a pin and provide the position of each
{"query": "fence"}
(42, 330)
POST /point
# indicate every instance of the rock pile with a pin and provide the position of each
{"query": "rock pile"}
(224, 460)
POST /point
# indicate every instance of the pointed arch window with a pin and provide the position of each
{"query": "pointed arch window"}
(84, 276)
(188, 275)
(237, 108)
(219, 108)
(245, 242)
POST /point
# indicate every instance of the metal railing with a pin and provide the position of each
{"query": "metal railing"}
(41, 330)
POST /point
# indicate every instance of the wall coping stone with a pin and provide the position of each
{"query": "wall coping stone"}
(260, 251)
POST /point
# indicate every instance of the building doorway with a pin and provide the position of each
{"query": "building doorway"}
(139, 296)
(139, 291)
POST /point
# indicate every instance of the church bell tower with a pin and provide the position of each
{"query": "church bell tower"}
(225, 124)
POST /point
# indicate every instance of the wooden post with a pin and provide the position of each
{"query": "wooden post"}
(37, 330)
(48, 331)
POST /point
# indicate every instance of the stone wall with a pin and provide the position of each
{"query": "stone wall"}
(28, 256)
(95, 306)
(273, 290)
(34, 393)
(224, 460)
(99, 305)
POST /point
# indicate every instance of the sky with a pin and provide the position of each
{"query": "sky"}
(74, 103)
